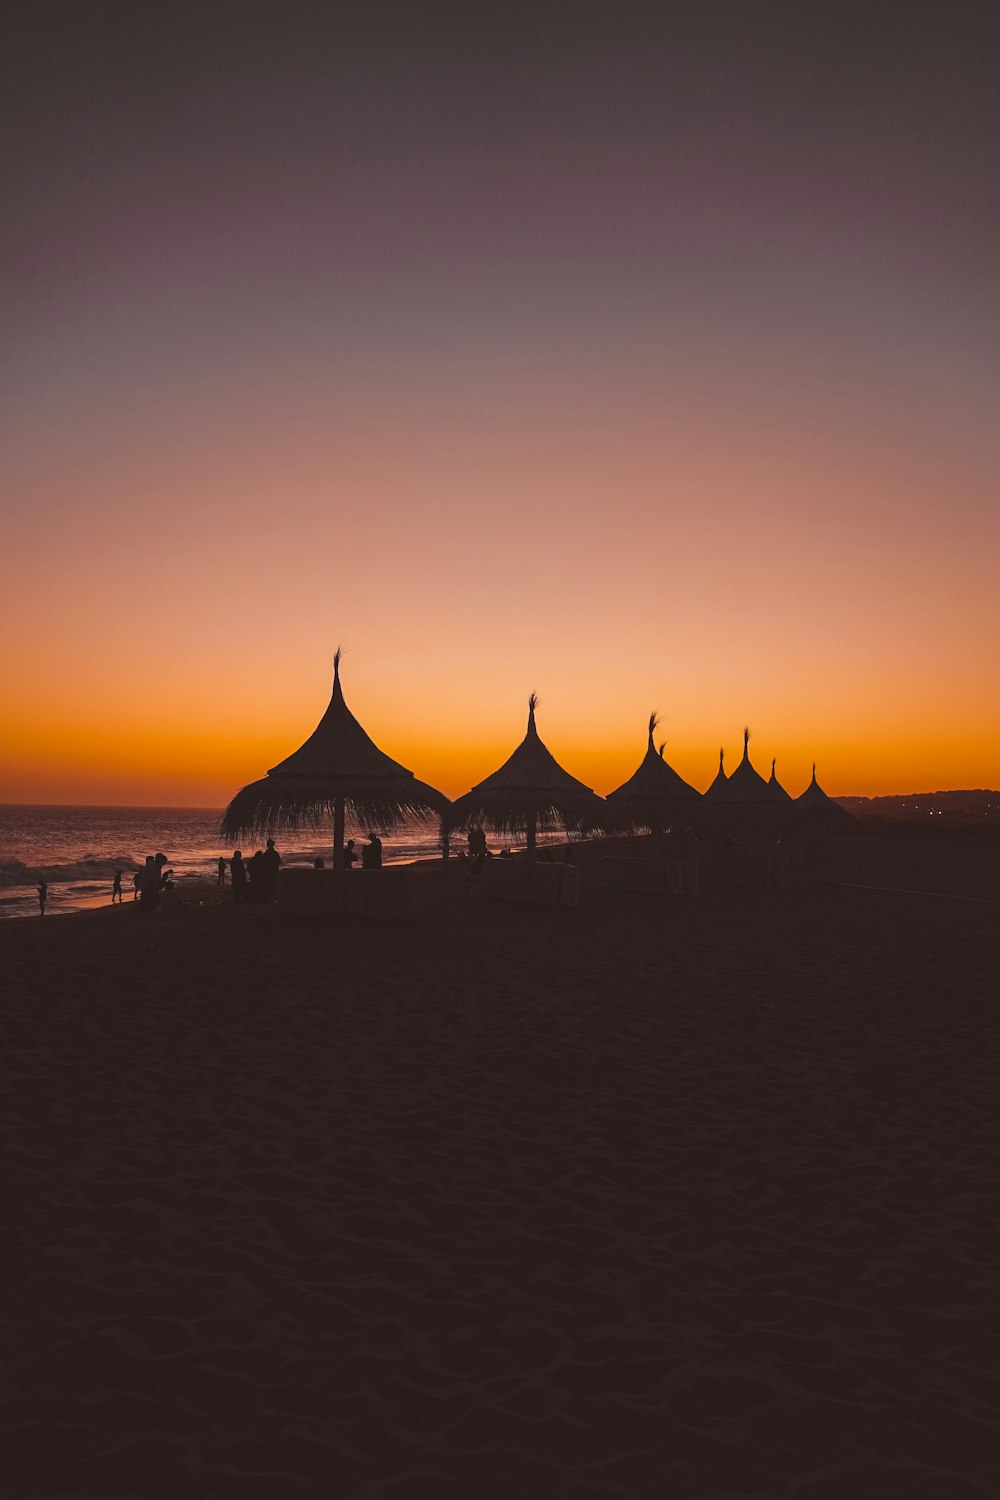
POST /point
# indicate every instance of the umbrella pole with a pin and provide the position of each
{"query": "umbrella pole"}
(530, 832)
(338, 853)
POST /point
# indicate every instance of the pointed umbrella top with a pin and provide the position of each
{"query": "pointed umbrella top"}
(531, 767)
(338, 746)
(745, 784)
(777, 791)
(655, 782)
(718, 787)
(530, 785)
(815, 800)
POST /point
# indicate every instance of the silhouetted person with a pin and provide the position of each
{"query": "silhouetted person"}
(222, 870)
(350, 857)
(149, 885)
(271, 864)
(318, 864)
(238, 871)
(255, 871)
(43, 895)
(371, 854)
(136, 885)
(116, 888)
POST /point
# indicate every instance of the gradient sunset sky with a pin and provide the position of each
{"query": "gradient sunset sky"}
(647, 362)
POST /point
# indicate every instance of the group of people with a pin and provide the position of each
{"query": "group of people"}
(371, 854)
(255, 879)
(153, 887)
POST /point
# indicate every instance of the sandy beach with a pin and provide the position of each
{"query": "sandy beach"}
(656, 1198)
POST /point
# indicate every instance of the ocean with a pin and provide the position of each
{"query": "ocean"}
(78, 849)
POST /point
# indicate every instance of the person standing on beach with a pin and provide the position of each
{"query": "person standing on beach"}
(149, 885)
(136, 885)
(43, 891)
(222, 870)
(239, 877)
(116, 889)
(270, 865)
(371, 854)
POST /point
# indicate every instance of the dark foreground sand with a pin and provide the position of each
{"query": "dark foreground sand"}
(651, 1199)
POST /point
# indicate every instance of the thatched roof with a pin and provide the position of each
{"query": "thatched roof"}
(654, 792)
(778, 793)
(530, 785)
(815, 801)
(718, 787)
(745, 785)
(337, 761)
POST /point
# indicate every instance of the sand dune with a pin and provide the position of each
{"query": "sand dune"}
(649, 1199)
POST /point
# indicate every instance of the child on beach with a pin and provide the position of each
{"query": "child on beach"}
(43, 891)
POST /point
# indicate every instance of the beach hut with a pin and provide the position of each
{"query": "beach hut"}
(338, 772)
(529, 794)
(655, 795)
(823, 811)
(778, 793)
(717, 790)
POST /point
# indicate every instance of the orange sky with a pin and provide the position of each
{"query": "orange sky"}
(177, 598)
(641, 383)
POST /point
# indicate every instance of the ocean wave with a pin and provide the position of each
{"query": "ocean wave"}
(14, 873)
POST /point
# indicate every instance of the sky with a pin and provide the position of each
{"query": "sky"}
(644, 361)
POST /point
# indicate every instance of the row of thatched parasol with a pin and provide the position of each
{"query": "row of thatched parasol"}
(341, 772)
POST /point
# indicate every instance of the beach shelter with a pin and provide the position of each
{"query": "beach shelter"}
(529, 794)
(717, 790)
(778, 793)
(655, 794)
(338, 771)
(821, 808)
(746, 787)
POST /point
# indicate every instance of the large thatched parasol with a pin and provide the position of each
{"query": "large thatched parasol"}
(823, 811)
(655, 794)
(530, 793)
(338, 770)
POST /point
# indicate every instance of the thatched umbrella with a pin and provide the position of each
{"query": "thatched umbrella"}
(338, 770)
(745, 786)
(778, 793)
(529, 794)
(655, 794)
(821, 808)
(717, 790)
